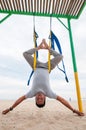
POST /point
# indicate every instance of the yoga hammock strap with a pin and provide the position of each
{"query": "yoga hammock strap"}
(54, 40)
(49, 64)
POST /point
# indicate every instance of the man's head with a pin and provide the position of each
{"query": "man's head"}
(40, 100)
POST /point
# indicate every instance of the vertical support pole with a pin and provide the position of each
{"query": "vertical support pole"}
(75, 69)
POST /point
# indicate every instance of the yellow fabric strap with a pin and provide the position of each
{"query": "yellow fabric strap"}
(34, 64)
(49, 65)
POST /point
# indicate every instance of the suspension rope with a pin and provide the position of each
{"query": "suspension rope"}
(49, 64)
(34, 39)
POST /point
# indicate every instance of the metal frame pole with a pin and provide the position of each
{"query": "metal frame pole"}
(75, 69)
(5, 18)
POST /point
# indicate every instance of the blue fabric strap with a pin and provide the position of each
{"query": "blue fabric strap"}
(54, 40)
(30, 77)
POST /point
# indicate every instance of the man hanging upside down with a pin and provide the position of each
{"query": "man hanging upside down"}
(41, 85)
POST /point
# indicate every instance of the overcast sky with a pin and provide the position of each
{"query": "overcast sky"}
(16, 36)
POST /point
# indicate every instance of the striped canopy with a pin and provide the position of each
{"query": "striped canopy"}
(56, 8)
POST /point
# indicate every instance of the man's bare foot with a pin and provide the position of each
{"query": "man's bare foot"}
(78, 112)
(5, 111)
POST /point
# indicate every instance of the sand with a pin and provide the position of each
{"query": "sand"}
(54, 116)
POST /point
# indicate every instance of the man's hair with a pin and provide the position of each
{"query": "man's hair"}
(40, 105)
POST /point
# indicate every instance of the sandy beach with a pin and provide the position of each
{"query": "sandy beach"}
(54, 116)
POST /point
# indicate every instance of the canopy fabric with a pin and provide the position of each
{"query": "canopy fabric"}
(57, 8)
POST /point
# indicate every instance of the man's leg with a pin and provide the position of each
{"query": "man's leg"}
(64, 102)
(14, 105)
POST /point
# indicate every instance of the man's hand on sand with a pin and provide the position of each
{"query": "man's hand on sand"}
(5, 111)
(78, 112)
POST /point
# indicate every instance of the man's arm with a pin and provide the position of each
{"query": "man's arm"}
(55, 60)
(64, 102)
(28, 56)
(57, 57)
(14, 105)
